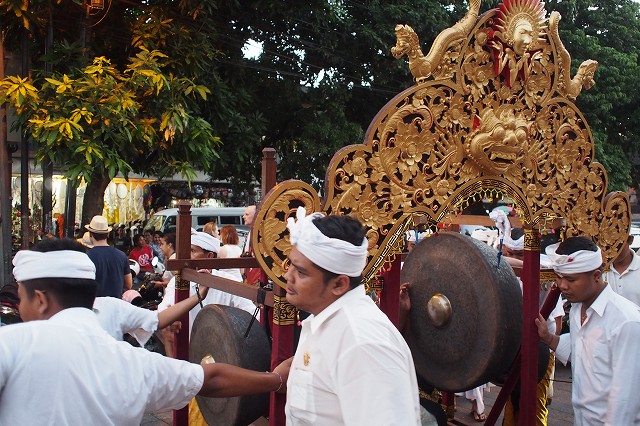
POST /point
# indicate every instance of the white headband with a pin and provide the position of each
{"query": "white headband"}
(333, 254)
(205, 241)
(504, 226)
(485, 235)
(574, 263)
(30, 265)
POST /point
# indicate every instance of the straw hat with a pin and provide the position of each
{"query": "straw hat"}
(98, 225)
(86, 240)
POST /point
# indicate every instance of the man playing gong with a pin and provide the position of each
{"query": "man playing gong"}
(352, 366)
(603, 340)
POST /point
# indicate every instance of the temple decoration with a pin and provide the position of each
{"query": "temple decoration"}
(491, 115)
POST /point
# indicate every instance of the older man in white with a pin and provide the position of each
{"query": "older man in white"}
(352, 366)
(624, 275)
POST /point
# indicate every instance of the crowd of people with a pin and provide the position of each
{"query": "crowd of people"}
(351, 366)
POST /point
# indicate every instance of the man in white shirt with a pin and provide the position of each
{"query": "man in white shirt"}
(70, 371)
(205, 246)
(119, 317)
(352, 366)
(602, 344)
(624, 275)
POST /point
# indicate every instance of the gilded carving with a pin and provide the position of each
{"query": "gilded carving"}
(442, 55)
(570, 87)
(492, 114)
(284, 313)
(180, 283)
(531, 240)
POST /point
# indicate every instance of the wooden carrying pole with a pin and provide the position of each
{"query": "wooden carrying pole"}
(183, 251)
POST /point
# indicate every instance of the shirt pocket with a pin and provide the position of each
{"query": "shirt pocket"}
(300, 396)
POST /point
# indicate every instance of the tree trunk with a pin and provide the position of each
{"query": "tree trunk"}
(94, 196)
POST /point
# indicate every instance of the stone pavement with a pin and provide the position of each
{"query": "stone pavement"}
(560, 410)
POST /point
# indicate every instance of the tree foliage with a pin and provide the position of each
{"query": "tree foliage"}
(323, 72)
(608, 32)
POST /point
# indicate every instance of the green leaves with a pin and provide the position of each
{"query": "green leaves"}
(100, 118)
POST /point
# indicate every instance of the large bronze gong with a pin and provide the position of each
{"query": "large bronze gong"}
(466, 312)
(218, 334)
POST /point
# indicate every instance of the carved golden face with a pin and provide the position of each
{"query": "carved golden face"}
(498, 145)
(522, 37)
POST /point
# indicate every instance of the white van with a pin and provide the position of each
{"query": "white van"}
(165, 220)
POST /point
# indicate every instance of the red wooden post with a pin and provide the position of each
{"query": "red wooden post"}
(183, 251)
(283, 315)
(284, 320)
(390, 297)
(531, 296)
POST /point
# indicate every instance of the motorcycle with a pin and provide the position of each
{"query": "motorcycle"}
(150, 295)
(145, 297)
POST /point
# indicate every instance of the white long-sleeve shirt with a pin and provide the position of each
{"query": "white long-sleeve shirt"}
(352, 367)
(68, 371)
(605, 355)
(118, 317)
(213, 297)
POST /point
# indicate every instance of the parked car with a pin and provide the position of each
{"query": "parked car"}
(165, 220)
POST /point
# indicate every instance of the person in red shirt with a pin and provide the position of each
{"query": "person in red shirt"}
(142, 253)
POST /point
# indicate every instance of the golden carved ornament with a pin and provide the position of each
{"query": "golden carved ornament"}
(284, 313)
(492, 114)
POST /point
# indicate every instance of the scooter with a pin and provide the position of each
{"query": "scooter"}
(150, 295)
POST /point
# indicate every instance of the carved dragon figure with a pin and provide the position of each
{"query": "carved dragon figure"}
(586, 71)
(407, 43)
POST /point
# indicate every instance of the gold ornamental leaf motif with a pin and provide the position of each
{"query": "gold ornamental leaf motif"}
(269, 234)
(491, 115)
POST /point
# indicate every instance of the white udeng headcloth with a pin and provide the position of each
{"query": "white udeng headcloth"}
(504, 226)
(30, 265)
(574, 263)
(334, 255)
(205, 241)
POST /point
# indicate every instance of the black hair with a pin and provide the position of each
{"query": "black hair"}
(99, 236)
(344, 228)
(158, 233)
(68, 292)
(574, 244)
(170, 238)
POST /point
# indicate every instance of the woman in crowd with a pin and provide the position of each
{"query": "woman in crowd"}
(168, 247)
(231, 247)
(211, 228)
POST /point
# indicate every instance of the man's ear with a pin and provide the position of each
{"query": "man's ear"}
(43, 302)
(597, 274)
(341, 284)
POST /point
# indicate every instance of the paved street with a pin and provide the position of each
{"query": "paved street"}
(560, 411)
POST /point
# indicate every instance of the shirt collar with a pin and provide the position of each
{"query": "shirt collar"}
(601, 301)
(75, 316)
(315, 321)
(634, 265)
(635, 262)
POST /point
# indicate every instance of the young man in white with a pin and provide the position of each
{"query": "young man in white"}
(602, 344)
(205, 246)
(352, 366)
(69, 371)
